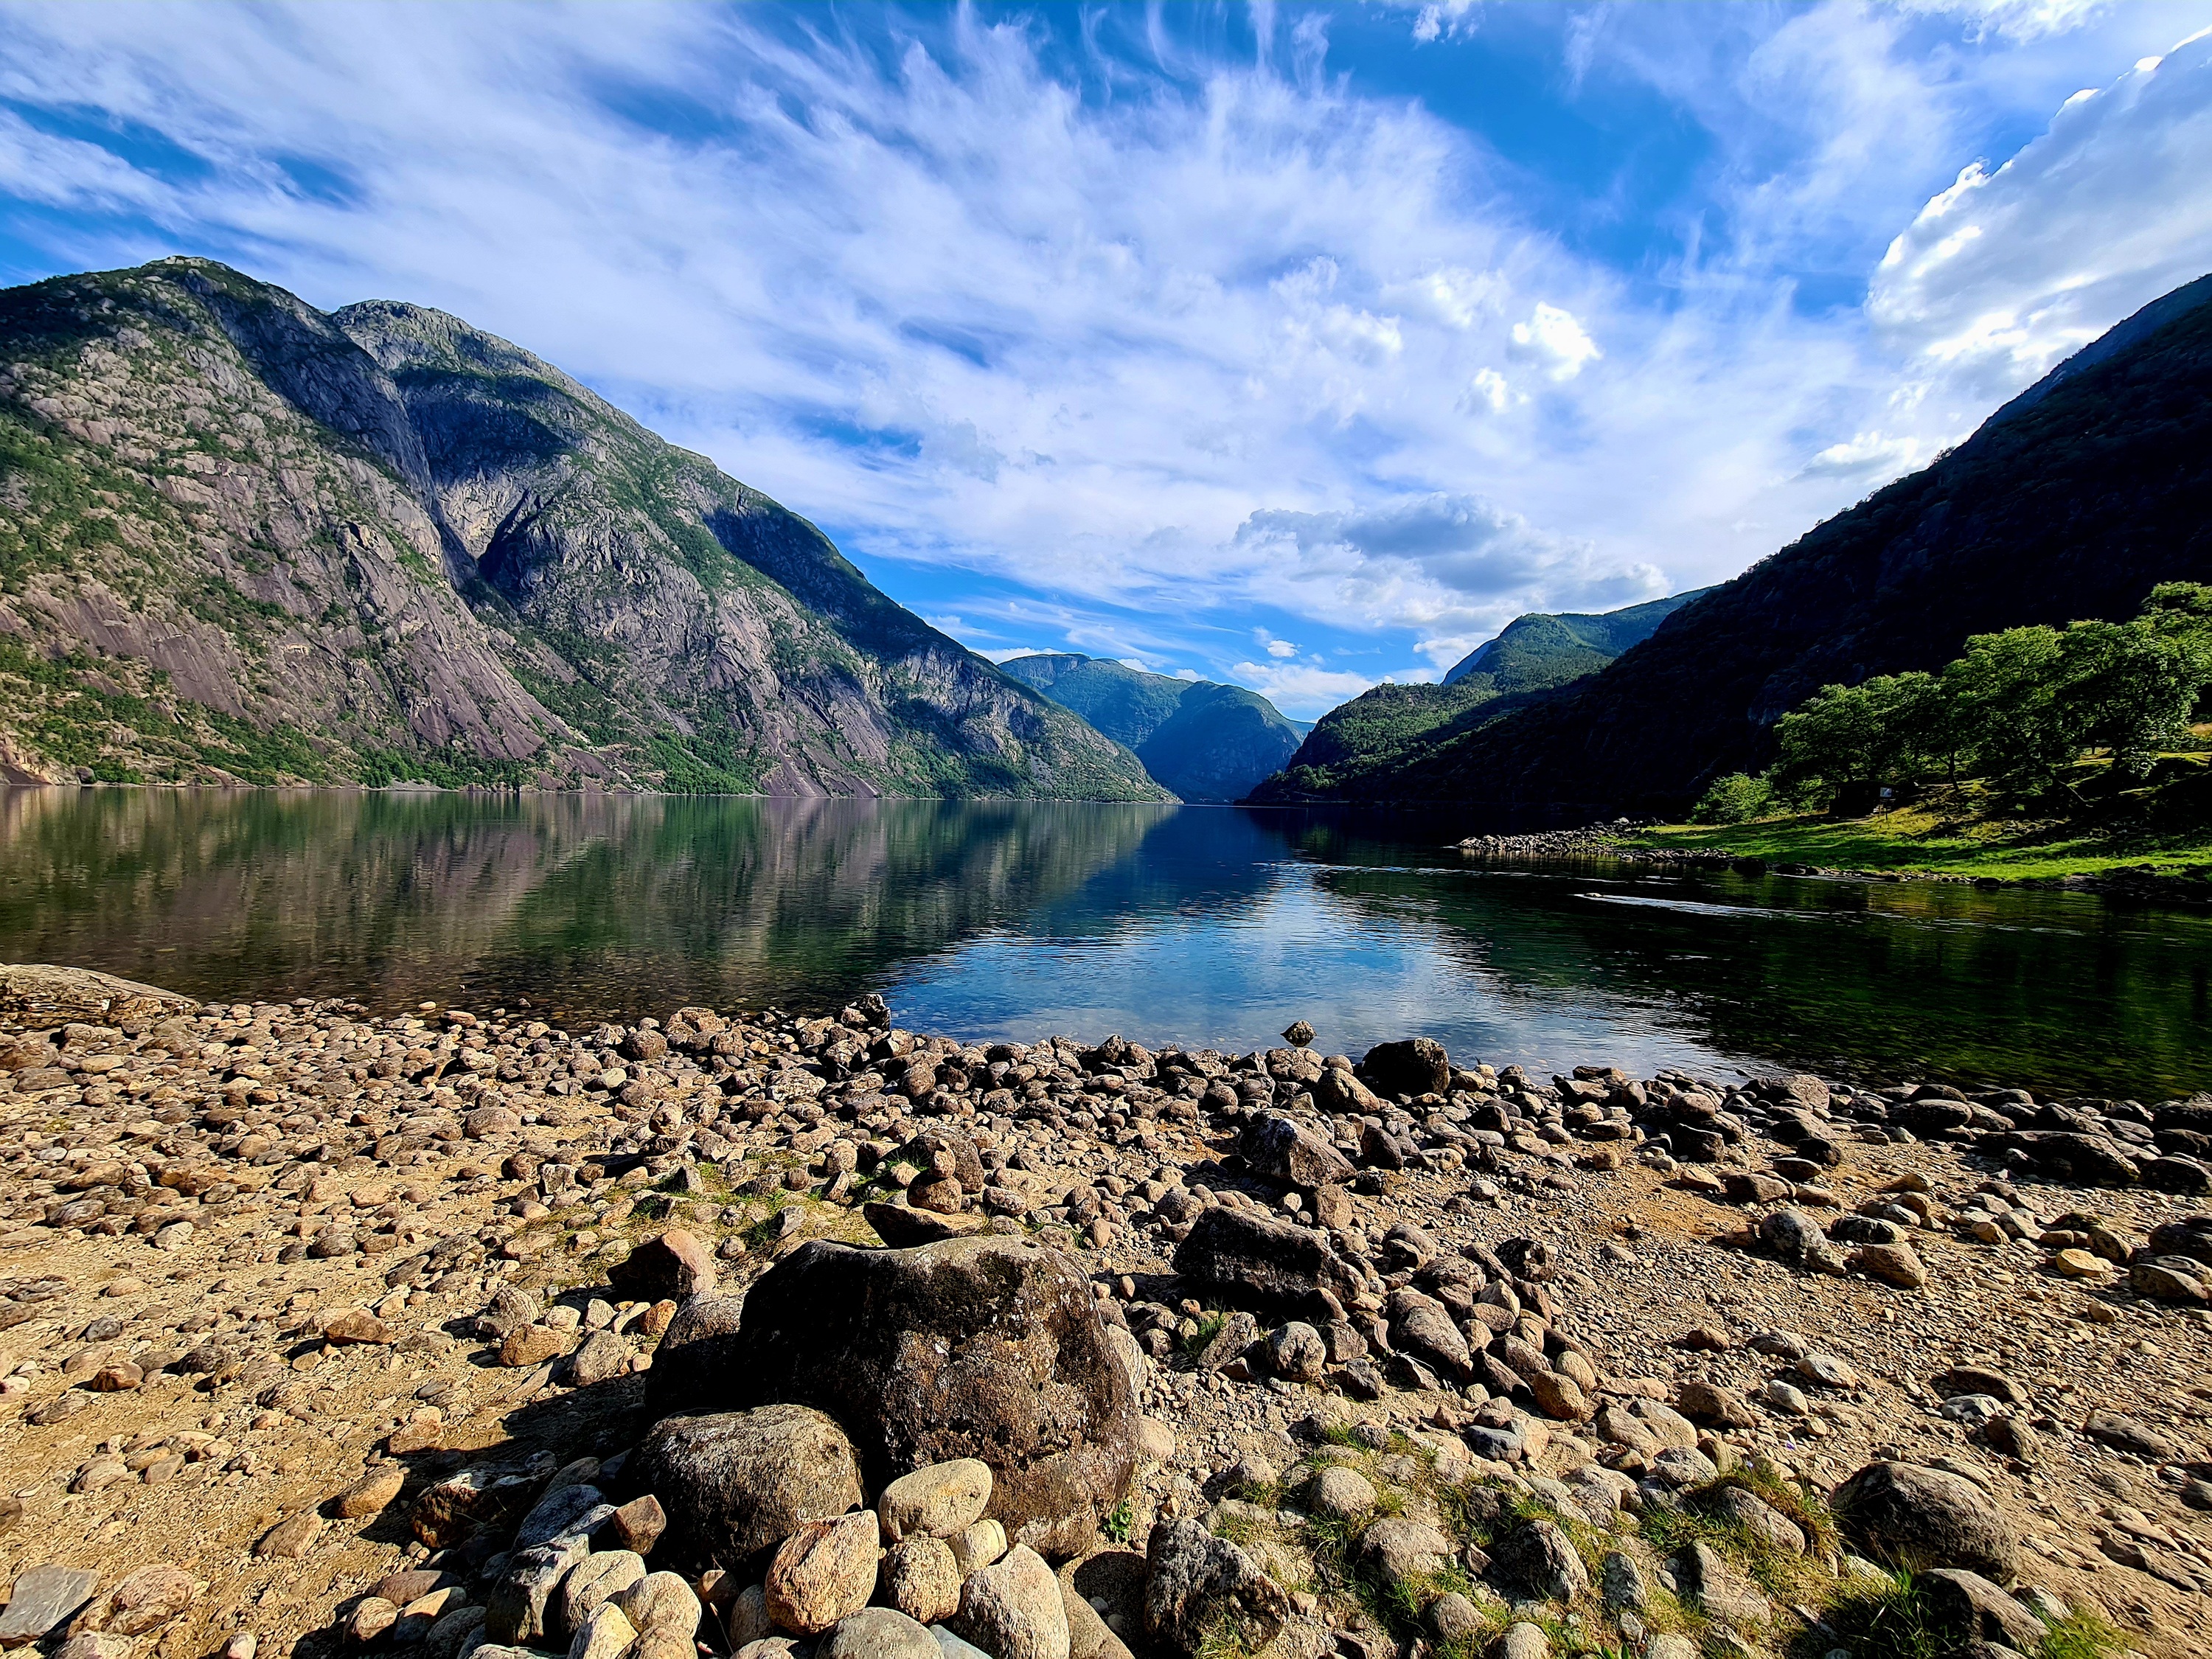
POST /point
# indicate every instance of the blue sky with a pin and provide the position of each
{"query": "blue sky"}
(1303, 346)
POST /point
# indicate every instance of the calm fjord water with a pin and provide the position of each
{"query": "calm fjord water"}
(1196, 925)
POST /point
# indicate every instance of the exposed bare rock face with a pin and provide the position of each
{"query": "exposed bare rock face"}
(251, 540)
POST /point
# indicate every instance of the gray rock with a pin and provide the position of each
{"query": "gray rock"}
(1522, 1640)
(1620, 1583)
(1417, 1066)
(1452, 1618)
(1539, 1560)
(878, 1633)
(1760, 1518)
(736, 1484)
(1725, 1594)
(1279, 1147)
(1243, 1260)
(563, 1510)
(1012, 1608)
(1398, 1549)
(1966, 1606)
(602, 1356)
(1194, 1580)
(939, 1500)
(950, 1646)
(1420, 1326)
(1296, 1353)
(1340, 1494)
(43, 1598)
(1909, 1515)
(516, 1611)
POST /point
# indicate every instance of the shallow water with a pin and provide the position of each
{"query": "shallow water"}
(1200, 925)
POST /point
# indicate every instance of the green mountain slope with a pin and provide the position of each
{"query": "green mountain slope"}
(2071, 502)
(240, 538)
(1540, 649)
(1205, 741)
(1357, 751)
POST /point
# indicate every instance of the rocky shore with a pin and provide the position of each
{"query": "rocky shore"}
(457, 1334)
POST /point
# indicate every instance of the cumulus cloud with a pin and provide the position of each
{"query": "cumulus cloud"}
(1303, 691)
(2014, 266)
(1556, 338)
(1866, 454)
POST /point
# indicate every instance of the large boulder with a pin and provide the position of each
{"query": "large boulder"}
(991, 1348)
(1418, 1065)
(1274, 1268)
(688, 1365)
(736, 1484)
(1919, 1518)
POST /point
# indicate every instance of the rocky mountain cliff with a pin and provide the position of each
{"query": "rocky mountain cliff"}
(1204, 740)
(240, 538)
(2072, 502)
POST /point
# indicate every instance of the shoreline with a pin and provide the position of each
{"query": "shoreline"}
(2120, 880)
(308, 1268)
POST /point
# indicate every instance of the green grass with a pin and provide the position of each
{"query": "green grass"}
(1891, 1619)
(1921, 840)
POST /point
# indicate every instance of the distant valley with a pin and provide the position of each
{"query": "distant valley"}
(1203, 741)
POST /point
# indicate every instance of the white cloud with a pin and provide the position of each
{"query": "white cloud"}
(1231, 335)
(1867, 455)
(1304, 692)
(1557, 339)
(2018, 19)
(2013, 267)
(1438, 19)
(1489, 389)
(1279, 649)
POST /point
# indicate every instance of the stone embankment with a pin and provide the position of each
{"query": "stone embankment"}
(459, 1334)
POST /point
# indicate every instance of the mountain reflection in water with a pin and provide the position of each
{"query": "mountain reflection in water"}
(1198, 925)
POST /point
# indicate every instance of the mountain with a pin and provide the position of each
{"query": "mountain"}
(241, 538)
(2070, 502)
(1205, 741)
(1542, 649)
(1361, 747)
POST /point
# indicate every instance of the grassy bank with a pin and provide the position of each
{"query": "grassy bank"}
(1962, 832)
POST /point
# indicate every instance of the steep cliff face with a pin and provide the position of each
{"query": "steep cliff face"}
(240, 537)
(1204, 740)
(2070, 502)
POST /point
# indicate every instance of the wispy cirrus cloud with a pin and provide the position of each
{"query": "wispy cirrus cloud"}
(1137, 335)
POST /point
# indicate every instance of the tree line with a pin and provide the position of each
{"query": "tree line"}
(2015, 710)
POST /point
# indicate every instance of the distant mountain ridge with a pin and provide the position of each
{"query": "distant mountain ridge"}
(1548, 649)
(241, 538)
(2070, 502)
(1359, 745)
(1202, 740)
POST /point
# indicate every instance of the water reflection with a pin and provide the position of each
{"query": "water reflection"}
(1201, 925)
